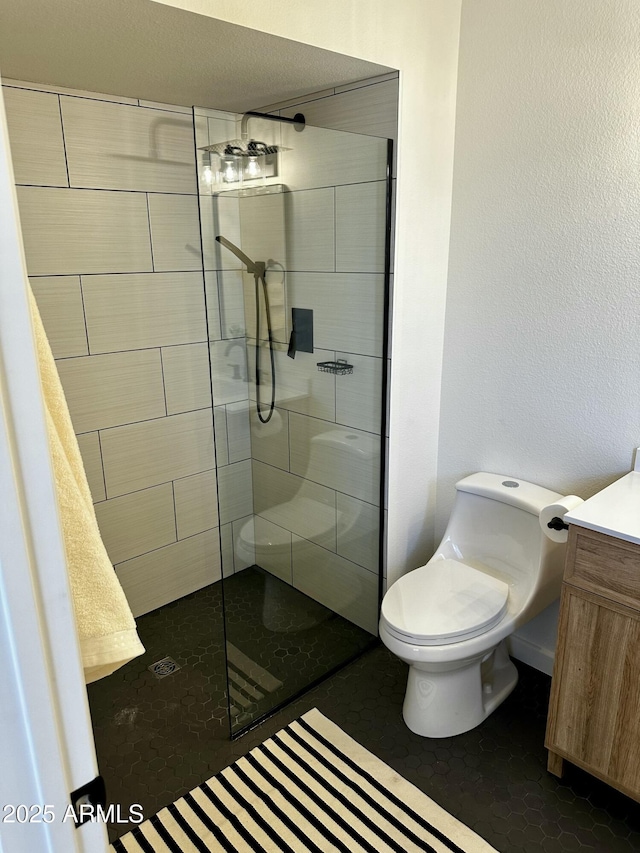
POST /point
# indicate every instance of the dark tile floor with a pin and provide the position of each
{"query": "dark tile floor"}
(493, 778)
(158, 738)
(289, 637)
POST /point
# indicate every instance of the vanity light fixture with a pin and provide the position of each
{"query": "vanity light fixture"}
(248, 159)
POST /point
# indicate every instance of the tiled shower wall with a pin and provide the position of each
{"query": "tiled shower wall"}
(108, 205)
(321, 500)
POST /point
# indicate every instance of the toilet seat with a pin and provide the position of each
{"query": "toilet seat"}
(443, 602)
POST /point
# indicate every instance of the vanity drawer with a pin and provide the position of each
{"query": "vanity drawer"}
(603, 564)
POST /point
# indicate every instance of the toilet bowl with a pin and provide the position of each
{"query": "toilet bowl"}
(494, 570)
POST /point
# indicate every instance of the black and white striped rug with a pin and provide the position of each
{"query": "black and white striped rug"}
(310, 787)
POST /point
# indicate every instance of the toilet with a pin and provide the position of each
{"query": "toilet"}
(494, 570)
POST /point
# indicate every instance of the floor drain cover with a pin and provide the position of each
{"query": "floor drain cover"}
(164, 667)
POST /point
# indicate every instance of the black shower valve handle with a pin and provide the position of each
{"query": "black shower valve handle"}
(291, 350)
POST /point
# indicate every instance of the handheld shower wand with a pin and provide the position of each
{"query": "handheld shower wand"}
(252, 267)
(258, 270)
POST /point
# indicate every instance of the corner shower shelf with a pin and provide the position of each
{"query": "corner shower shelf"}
(339, 367)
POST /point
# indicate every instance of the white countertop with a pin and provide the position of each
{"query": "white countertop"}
(614, 511)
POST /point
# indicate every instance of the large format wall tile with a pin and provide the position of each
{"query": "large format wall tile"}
(148, 310)
(300, 101)
(310, 230)
(137, 523)
(175, 232)
(328, 158)
(76, 93)
(207, 231)
(35, 134)
(367, 81)
(213, 303)
(358, 531)
(235, 491)
(59, 299)
(273, 548)
(89, 445)
(171, 572)
(370, 109)
(145, 454)
(108, 390)
(298, 505)
(221, 215)
(196, 503)
(263, 227)
(301, 387)
(238, 431)
(113, 239)
(172, 108)
(221, 436)
(119, 147)
(186, 377)
(226, 547)
(236, 554)
(340, 585)
(348, 309)
(359, 394)
(270, 441)
(222, 124)
(225, 304)
(361, 227)
(229, 371)
(79, 231)
(346, 460)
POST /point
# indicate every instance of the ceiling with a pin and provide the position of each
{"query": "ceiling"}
(142, 49)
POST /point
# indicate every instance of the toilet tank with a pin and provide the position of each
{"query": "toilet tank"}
(494, 525)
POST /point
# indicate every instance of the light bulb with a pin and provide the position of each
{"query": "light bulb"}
(207, 174)
(230, 172)
(253, 168)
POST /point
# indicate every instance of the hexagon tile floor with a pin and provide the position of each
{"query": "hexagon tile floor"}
(156, 744)
(156, 738)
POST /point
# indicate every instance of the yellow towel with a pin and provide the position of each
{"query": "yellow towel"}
(106, 628)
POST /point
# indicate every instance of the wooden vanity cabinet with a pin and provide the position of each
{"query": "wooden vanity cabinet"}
(594, 711)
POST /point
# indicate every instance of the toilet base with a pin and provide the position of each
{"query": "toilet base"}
(448, 702)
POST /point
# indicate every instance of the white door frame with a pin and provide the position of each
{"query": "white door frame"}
(46, 746)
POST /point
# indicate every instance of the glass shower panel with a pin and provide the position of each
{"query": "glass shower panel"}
(296, 300)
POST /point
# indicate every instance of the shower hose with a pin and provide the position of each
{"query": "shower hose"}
(263, 278)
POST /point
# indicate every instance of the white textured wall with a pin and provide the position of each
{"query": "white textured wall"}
(541, 376)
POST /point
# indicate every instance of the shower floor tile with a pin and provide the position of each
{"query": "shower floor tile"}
(154, 746)
(156, 738)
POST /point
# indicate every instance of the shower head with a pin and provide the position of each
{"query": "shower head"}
(252, 267)
(244, 147)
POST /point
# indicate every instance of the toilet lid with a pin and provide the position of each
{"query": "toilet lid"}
(444, 602)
